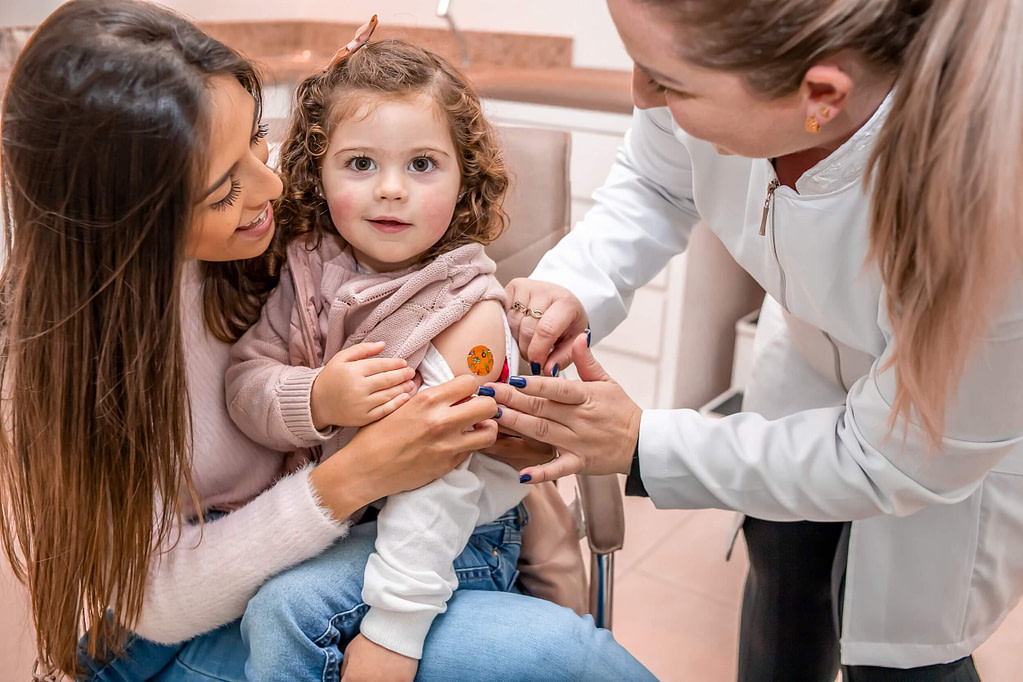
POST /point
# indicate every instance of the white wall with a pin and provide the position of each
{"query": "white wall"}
(587, 21)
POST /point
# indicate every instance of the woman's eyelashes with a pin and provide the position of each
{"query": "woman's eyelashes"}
(261, 130)
(664, 90)
(236, 187)
(420, 164)
(232, 196)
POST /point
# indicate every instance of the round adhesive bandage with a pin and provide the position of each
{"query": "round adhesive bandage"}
(481, 361)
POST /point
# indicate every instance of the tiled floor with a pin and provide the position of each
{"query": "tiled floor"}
(676, 603)
(677, 600)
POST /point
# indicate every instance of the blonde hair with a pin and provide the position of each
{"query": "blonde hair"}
(390, 69)
(947, 199)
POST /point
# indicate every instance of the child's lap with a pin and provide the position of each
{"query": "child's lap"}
(328, 587)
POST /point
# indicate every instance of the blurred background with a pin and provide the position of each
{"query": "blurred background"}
(555, 65)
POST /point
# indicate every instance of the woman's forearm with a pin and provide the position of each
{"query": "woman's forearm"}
(205, 575)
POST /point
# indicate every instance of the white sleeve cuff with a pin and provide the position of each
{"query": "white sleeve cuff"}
(668, 481)
(401, 632)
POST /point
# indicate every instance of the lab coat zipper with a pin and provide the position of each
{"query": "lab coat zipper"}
(767, 206)
(769, 211)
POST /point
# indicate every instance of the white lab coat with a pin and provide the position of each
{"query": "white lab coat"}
(936, 551)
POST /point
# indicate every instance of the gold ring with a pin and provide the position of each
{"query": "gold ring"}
(532, 312)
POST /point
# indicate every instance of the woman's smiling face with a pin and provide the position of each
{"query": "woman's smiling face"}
(234, 219)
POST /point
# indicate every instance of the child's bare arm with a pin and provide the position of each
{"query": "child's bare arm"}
(461, 343)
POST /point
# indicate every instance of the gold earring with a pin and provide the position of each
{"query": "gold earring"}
(812, 125)
(825, 112)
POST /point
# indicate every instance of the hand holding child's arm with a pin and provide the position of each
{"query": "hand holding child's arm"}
(365, 660)
(356, 388)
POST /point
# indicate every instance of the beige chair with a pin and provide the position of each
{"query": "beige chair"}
(538, 207)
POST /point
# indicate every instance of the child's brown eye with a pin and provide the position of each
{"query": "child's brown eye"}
(421, 164)
(361, 164)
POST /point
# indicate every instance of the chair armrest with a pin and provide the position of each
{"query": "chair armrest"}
(603, 512)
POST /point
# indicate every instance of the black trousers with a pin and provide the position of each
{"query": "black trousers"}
(787, 632)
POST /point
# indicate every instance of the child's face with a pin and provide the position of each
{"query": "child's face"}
(391, 179)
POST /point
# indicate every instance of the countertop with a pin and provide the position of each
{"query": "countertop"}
(517, 67)
(508, 66)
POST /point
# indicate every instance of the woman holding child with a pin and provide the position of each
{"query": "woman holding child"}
(142, 242)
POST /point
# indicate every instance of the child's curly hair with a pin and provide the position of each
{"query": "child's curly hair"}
(390, 68)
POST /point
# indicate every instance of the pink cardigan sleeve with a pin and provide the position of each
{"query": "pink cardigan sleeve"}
(267, 397)
(195, 586)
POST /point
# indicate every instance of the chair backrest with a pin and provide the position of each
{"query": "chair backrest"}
(538, 201)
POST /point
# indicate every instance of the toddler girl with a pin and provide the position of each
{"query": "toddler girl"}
(393, 183)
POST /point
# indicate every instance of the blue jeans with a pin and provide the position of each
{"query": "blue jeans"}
(299, 623)
(483, 636)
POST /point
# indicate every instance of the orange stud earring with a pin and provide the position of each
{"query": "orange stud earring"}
(825, 112)
(812, 125)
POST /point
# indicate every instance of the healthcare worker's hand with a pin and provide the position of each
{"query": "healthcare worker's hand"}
(366, 661)
(593, 423)
(546, 341)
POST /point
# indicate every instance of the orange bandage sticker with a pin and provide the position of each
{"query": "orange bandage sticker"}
(481, 361)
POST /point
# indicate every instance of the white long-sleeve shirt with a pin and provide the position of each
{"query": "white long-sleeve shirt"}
(938, 560)
(410, 577)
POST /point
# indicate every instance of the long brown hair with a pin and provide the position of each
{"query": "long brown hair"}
(390, 69)
(946, 200)
(104, 129)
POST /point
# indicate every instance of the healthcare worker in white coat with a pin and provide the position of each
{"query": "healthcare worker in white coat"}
(861, 160)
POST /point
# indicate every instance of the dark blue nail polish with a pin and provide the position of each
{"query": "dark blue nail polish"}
(499, 413)
(517, 382)
(535, 368)
(589, 337)
(525, 478)
(486, 391)
(554, 372)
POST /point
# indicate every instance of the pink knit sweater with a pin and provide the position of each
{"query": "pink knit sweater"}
(325, 303)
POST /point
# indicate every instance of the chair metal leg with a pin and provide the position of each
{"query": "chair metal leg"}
(602, 572)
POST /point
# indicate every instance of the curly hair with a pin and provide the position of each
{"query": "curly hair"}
(389, 69)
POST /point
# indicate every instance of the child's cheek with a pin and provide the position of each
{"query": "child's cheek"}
(345, 206)
(436, 212)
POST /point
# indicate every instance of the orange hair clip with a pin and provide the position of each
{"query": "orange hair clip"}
(362, 36)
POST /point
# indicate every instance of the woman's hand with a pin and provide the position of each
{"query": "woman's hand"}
(368, 661)
(593, 423)
(563, 319)
(424, 440)
(518, 452)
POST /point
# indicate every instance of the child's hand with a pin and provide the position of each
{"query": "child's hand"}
(356, 388)
(366, 660)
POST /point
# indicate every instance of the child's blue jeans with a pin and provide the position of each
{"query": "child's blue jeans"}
(299, 623)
